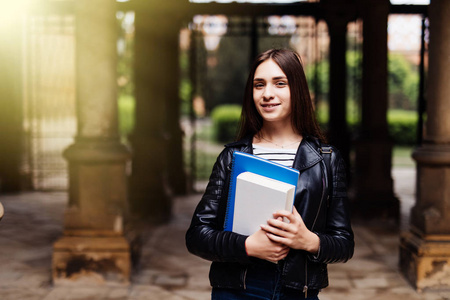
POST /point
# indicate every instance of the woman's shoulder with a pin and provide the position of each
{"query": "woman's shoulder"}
(226, 154)
(321, 146)
(324, 149)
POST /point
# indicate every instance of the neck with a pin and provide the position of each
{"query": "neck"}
(279, 133)
(280, 136)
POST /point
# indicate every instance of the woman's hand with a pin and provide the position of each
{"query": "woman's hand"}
(259, 245)
(294, 234)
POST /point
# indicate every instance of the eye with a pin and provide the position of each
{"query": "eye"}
(258, 85)
(281, 83)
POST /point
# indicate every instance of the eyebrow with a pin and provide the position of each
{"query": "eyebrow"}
(274, 78)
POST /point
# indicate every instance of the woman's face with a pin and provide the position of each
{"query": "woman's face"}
(271, 93)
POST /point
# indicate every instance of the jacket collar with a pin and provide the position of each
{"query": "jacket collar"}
(307, 153)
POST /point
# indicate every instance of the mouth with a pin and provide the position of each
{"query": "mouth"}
(269, 105)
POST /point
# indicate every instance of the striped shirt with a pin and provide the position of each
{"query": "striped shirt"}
(281, 156)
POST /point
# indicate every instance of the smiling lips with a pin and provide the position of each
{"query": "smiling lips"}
(270, 105)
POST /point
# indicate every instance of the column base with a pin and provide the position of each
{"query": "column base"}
(431, 213)
(91, 261)
(425, 261)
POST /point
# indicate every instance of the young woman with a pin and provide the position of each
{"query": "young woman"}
(277, 123)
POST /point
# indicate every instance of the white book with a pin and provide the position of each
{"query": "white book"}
(257, 198)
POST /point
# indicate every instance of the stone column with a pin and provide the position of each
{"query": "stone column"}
(425, 249)
(11, 117)
(373, 184)
(157, 139)
(175, 163)
(93, 248)
(337, 16)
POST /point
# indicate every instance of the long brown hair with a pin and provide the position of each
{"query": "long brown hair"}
(303, 118)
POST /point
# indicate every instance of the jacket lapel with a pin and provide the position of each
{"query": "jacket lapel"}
(307, 155)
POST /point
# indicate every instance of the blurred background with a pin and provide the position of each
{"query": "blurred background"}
(214, 53)
(124, 105)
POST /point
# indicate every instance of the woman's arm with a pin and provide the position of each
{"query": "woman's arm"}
(336, 243)
(205, 236)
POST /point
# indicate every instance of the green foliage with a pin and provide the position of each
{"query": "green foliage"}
(322, 114)
(225, 119)
(226, 74)
(125, 78)
(185, 94)
(126, 114)
(205, 162)
(318, 75)
(403, 81)
(403, 126)
(125, 55)
(185, 88)
(354, 83)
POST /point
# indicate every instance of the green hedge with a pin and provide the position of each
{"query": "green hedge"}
(403, 126)
(126, 106)
(225, 119)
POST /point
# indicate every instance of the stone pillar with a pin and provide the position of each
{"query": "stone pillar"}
(93, 248)
(157, 138)
(337, 16)
(176, 174)
(11, 117)
(425, 249)
(373, 184)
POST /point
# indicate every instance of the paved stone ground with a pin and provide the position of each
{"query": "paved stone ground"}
(33, 221)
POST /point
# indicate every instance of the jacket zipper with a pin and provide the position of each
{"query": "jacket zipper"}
(245, 278)
(305, 288)
(320, 204)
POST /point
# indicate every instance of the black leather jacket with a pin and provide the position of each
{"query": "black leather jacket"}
(324, 211)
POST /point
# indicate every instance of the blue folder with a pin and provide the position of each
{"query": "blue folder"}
(244, 162)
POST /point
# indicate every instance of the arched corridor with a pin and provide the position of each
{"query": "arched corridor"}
(89, 233)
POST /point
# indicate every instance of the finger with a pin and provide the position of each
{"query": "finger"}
(277, 239)
(295, 212)
(297, 215)
(281, 213)
(273, 237)
(277, 224)
(274, 230)
(284, 214)
(283, 254)
(278, 255)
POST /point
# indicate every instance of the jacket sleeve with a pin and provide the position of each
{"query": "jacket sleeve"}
(337, 242)
(205, 236)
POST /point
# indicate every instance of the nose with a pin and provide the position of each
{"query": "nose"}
(268, 92)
